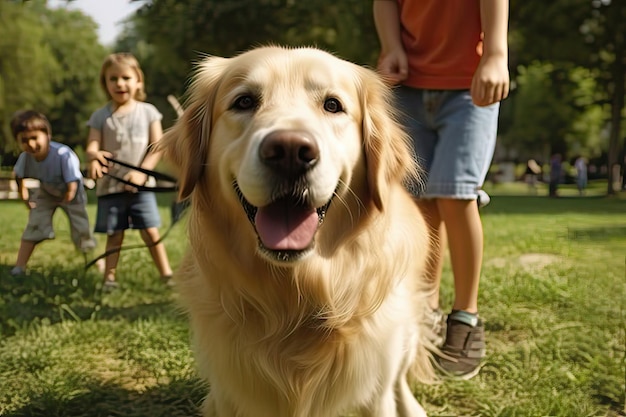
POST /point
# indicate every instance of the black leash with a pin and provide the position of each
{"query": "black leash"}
(177, 210)
(155, 174)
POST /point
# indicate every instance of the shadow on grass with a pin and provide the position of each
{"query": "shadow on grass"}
(177, 398)
(53, 294)
(58, 294)
(603, 233)
(140, 311)
(512, 204)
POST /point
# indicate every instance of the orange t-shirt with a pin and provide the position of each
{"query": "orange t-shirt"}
(442, 40)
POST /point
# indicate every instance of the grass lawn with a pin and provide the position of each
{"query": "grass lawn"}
(553, 297)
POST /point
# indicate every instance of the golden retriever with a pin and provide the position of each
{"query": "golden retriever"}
(304, 277)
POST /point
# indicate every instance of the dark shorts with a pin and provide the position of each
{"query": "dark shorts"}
(117, 212)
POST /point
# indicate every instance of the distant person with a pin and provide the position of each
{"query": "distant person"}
(57, 168)
(125, 129)
(531, 175)
(555, 174)
(581, 174)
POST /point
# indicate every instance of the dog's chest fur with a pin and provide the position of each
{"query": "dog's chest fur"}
(301, 367)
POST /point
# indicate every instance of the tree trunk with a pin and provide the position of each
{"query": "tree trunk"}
(617, 105)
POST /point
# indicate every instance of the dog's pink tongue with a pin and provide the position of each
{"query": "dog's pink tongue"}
(283, 226)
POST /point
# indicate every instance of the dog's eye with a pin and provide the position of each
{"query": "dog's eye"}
(244, 103)
(332, 105)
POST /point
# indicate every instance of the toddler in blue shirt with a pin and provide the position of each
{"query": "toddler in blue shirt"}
(57, 168)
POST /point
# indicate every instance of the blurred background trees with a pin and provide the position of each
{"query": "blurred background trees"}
(581, 47)
(49, 61)
(567, 61)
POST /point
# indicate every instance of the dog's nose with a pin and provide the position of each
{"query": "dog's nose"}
(289, 152)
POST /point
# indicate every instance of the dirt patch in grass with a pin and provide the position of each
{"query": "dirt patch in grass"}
(118, 372)
(528, 261)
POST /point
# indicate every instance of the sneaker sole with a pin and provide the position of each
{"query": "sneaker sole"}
(457, 377)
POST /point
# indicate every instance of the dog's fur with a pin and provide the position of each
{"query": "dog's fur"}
(300, 308)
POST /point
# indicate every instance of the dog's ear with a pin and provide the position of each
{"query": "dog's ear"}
(388, 149)
(186, 144)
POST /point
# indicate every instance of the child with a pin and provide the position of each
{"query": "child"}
(125, 129)
(581, 174)
(57, 168)
(450, 59)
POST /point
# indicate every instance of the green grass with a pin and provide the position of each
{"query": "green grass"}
(553, 298)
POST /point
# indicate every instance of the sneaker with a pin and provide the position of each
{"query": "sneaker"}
(435, 322)
(483, 198)
(17, 271)
(167, 280)
(463, 349)
(87, 245)
(109, 285)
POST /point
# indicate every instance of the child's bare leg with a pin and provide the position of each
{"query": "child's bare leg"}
(114, 243)
(158, 252)
(23, 255)
(465, 240)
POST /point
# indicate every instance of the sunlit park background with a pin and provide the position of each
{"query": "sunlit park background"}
(553, 293)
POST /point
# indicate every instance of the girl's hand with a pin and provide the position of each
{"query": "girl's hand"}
(137, 178)
(98, 164)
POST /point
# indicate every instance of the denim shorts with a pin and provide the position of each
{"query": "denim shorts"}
(454, 140)
(123, 211)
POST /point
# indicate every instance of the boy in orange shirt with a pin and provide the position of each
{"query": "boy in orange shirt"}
(450, 61)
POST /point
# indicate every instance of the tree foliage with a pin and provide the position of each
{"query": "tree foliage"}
(180, 32)
(556, 110)
(27, 65)
(49, 61)
(570, 34)
(562, 55)
(76, 90)
(567, 60)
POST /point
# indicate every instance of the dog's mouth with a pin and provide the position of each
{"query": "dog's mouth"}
(286, 227)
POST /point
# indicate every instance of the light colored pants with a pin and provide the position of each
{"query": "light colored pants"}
(40, 227)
